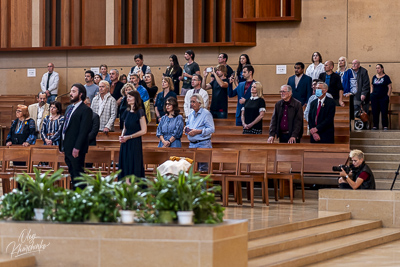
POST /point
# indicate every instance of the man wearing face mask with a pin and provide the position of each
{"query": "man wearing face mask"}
(313, 97)
(321, 116)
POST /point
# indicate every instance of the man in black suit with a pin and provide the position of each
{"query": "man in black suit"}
(301, 84)
(334, 83)
(321, 116)
(75, 134)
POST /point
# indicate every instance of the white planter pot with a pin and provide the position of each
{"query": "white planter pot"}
(39, 214)
(185, 217)
(127, 216)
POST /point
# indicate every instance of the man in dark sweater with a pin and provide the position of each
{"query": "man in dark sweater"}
(334, 83)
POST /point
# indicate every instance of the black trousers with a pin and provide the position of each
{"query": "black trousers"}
(75, 167)
(284, 138)
(379, 106)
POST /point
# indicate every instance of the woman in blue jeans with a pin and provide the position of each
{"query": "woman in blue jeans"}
(381, 89)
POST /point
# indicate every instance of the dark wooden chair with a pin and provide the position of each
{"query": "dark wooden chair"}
(253, 167)
(293, 159)
(101, 160)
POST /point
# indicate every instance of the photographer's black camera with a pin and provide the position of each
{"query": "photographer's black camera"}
(339, 168)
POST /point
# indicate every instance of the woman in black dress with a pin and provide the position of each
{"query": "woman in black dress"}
(381, 89)
(124, 104)
(167, 87)
(253, 110)
(174, 71)
(131, 154)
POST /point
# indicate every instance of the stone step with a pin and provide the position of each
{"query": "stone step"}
(382, 156)
(366, 148)
(386, 184)
(384, 174)
(324, 218)
(391, 134)
(374, 142)
(328, 249)
(21, 261)
(383, 165)
(285, 241)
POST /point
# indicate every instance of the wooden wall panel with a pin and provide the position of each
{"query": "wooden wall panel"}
(94, 22)
(178, 27)
(197, 21)
(248, 7)
(241, 32)
(76, 22)
(209, 21)
(65, 23)
(271, 8)
(20, 26)
(143, 22)
(3, 23)
(221, 20)
(160, 27)
(117, 22)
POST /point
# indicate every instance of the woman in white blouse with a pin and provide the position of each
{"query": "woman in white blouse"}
(317, 67)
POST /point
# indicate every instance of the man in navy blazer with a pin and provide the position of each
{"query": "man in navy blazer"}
(301, 84)
(321, 123)
(75, 134)
(242, 91)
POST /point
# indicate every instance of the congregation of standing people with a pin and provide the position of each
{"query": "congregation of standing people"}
(312, 93)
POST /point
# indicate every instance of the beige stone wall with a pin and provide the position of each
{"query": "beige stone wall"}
(359, 29)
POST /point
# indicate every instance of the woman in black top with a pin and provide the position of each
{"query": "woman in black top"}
(159, 101)
(23, 131)
(243, 60)
(174, 71)
(151, 87)
(253, 110)
(381, 89)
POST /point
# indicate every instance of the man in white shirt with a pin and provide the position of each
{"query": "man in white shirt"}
(49, 83)
(196, 85)
(39, 111)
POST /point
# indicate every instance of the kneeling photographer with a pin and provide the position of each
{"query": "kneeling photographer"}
(358, 175)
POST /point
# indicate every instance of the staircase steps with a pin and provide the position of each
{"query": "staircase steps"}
(316, 240)
(23, 261)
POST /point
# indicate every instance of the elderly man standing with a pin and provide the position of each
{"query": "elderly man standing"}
(105, 106)
(321, 117)
(287, 119)
(200, 124)
(39, 111)
(49, 83)
(115, 86)
(196, 84)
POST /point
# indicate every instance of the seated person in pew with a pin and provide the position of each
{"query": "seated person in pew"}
(360, 175)
(39, 111)
(253, 110)
(22, 131)
(52, 125)
(199, 127)
(170, 128)
(287, 119)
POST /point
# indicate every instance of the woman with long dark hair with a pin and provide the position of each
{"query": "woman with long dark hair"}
(317, 67)
(381, 89)
(243, 60)
(174, 71)
(159, 101)
(170, 128)
(131, 153)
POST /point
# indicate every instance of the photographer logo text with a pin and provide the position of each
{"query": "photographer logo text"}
(27, 243)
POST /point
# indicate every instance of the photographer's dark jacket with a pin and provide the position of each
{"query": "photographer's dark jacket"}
(370, 182)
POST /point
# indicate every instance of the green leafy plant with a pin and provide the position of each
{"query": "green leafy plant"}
(186, 192)
(99, 195)
(129, 196)
(71, 206)
(16, 205)
(41, 188)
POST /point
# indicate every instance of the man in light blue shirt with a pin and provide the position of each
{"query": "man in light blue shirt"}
(200, 124)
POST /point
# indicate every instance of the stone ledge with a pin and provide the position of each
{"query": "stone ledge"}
(363, 204)
(132, 245)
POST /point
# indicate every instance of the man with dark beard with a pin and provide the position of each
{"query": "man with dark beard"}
(75, 134)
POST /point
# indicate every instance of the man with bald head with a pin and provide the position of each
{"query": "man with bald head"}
(287, 119)
(334, 83)
(49, 83)
(321, 117)
(356, 84)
